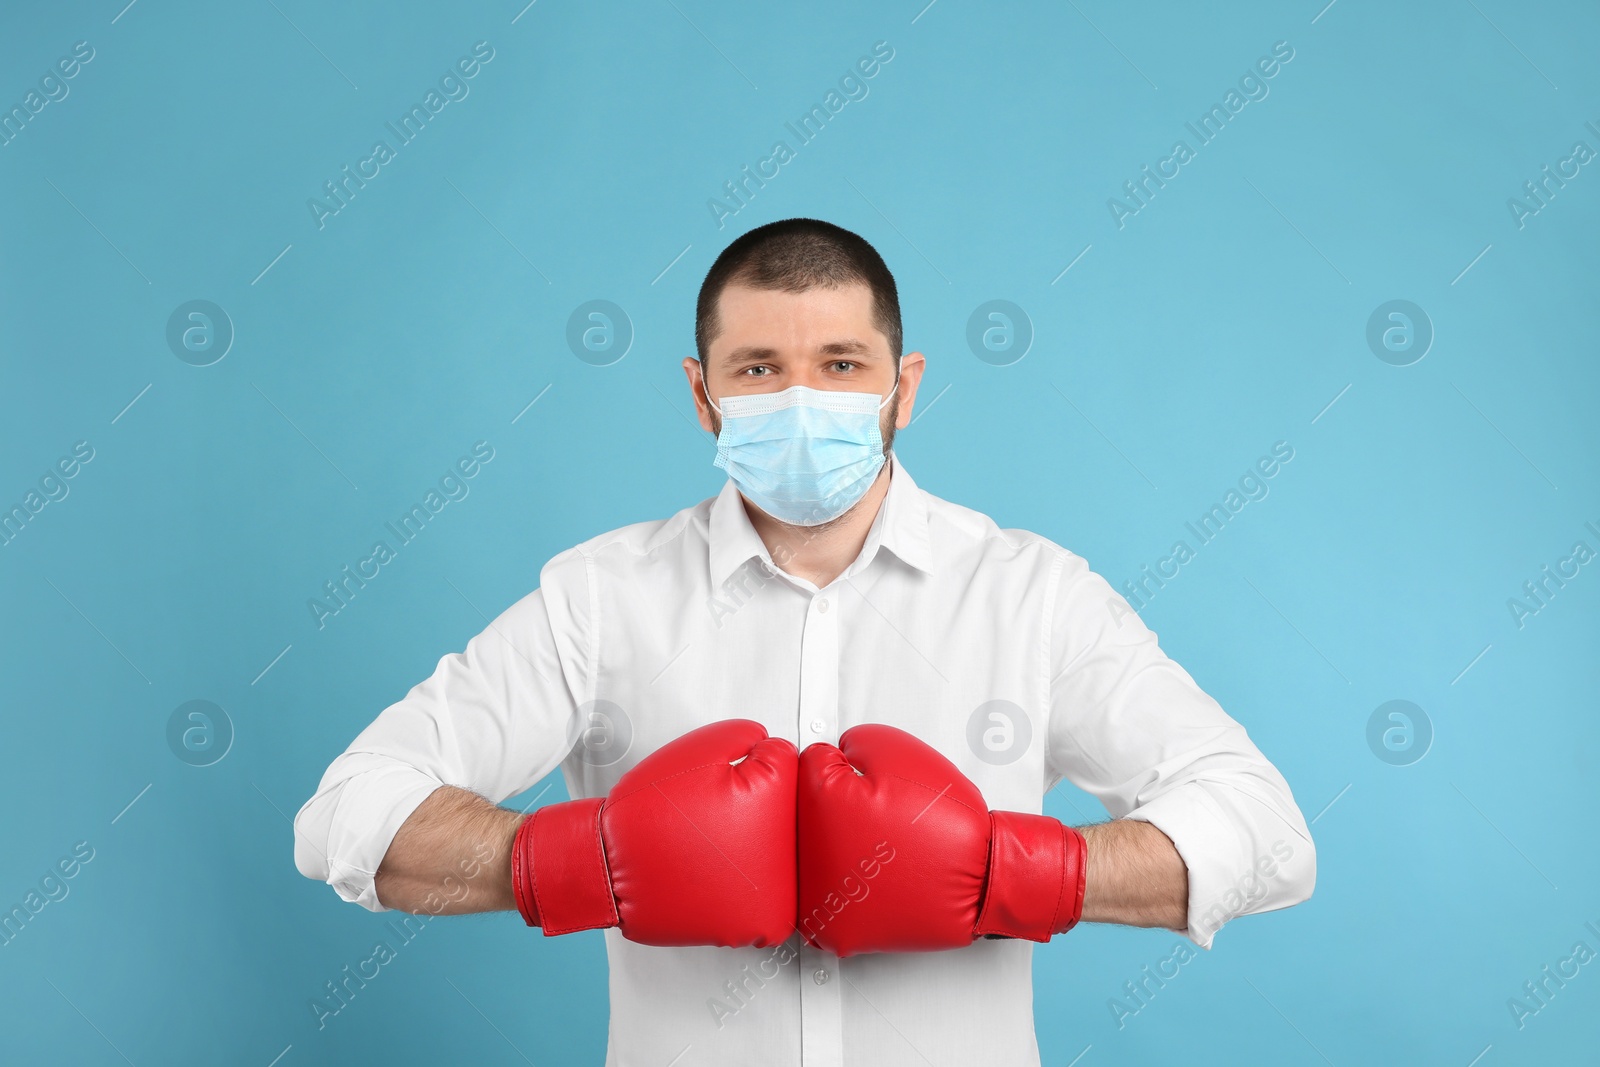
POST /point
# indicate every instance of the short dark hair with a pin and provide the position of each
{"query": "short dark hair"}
(797, 255)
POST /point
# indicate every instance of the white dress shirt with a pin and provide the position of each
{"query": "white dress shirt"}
(998, 647)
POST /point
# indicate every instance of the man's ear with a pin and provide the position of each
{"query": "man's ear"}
(912, 364)
(692, 370)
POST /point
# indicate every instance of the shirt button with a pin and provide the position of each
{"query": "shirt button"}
(817, 725)
(820, 977)
(822, 606)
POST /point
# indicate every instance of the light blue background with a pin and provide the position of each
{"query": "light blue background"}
(1225, 316)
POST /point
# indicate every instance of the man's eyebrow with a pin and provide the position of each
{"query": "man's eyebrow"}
(751, 354)
(846, 347)
(740, 357)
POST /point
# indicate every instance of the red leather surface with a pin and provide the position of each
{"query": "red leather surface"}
(1036, 873)
(1077, 878)
(522, 872)
(910, 804)
(878, 845)
(566, 868)
(699, 851)
(899, 853)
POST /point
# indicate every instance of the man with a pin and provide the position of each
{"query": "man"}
(820, 590)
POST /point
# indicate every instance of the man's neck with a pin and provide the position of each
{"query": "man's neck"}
(819, 554)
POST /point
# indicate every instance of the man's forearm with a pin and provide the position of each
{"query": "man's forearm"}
(451, 856)
(1135, 876)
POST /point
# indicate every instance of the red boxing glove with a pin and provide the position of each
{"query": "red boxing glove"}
(693, 846)
(905, 856)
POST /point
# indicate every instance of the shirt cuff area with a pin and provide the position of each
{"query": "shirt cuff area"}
(369, 810)
(1223, 879)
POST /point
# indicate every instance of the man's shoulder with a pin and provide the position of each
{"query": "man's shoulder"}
(976, 543)
(967, 531)
(636, 541)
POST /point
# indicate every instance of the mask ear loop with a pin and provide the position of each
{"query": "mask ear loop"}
(895, 388)
(707, 394)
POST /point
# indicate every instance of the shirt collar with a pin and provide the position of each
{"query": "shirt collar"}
(901, 526)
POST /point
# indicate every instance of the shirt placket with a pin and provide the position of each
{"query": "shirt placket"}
(822, 1033)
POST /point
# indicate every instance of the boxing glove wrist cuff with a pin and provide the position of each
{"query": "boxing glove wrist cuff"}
(1036, 877)
(558, 869)
(521, 875)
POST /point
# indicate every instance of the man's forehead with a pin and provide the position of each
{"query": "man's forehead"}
(759, 324)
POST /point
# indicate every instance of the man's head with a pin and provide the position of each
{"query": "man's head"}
(800, 302)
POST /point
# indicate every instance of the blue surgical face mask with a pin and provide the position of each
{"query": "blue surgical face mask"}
(804, 456)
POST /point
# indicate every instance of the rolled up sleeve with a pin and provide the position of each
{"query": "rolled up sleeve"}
(494, 718)
(1130, 726)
